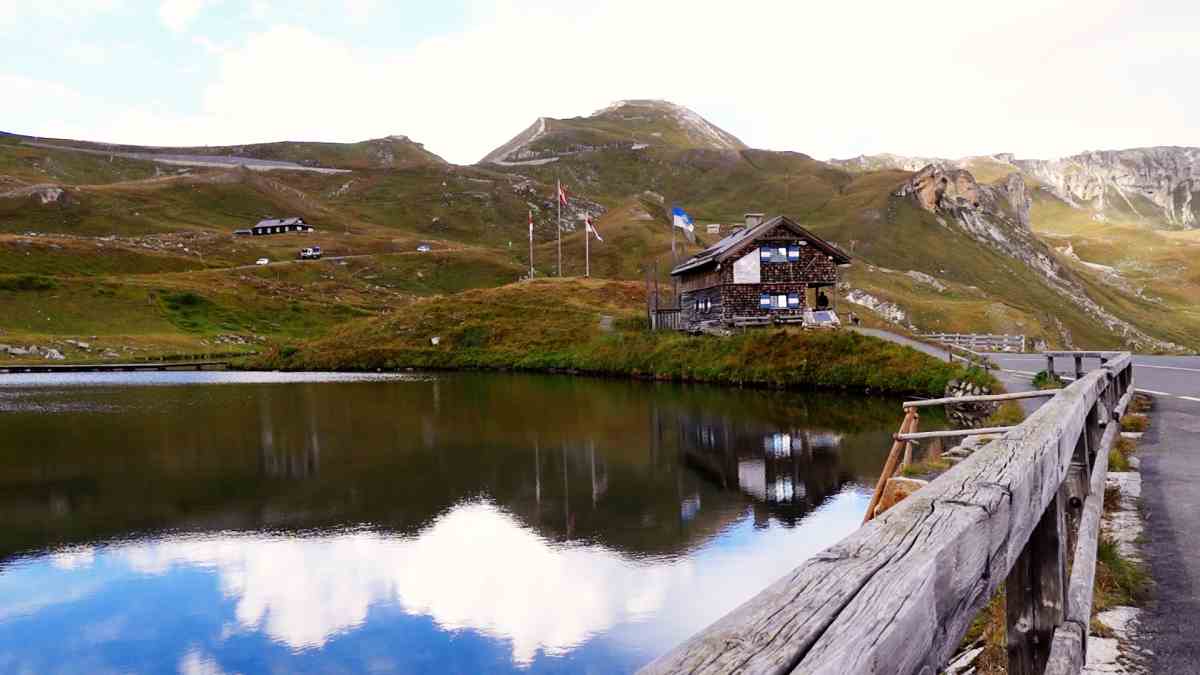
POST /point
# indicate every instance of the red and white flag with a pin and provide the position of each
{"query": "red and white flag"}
(562, 194)
(587, 222)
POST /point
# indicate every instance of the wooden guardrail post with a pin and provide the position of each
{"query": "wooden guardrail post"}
(1036, 593)
(889, 466)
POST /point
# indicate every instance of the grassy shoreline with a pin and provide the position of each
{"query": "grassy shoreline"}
(594, 327)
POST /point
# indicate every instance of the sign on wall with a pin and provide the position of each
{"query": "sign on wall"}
(747, 269)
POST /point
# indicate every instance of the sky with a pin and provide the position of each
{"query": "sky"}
(833, 80)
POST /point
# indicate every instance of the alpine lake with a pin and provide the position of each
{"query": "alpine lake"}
(240, 522)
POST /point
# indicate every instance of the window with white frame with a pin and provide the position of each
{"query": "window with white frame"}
(776, 301)
(704, 305)
(776, 254)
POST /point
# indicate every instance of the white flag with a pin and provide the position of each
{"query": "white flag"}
(680, 219)
(588, 225)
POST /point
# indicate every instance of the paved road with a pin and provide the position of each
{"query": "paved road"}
(1170, 454)
(1175, 377)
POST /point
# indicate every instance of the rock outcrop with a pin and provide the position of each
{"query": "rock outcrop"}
(997, 216)
(1161, 182)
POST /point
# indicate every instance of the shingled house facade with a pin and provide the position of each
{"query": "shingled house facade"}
(770, 271)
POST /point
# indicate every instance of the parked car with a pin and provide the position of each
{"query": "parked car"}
(424, 248)
(262, 261)
(310, 253)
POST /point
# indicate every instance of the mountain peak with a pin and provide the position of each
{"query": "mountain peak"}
(699, 131)
(633, 124)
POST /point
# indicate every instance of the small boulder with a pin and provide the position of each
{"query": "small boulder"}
(53, 355)
(896, 490)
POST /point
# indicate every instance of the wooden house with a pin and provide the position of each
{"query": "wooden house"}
(277, 226)
(771, 271)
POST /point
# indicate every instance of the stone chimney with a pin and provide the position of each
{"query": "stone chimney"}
(753, 220)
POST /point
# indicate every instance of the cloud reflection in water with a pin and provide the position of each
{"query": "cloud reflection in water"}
(478, 568)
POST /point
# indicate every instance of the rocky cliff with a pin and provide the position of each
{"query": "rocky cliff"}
(997, 216)
(1160, 183)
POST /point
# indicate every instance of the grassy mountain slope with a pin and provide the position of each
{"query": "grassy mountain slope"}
(139, 229)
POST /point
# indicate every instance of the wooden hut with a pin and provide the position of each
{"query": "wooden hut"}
(770, 271)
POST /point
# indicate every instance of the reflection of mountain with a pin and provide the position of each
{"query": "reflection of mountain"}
(616, 463)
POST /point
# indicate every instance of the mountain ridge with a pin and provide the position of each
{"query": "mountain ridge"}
(993, 248)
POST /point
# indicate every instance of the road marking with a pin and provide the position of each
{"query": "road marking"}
(1190, 398)
(1157, 393)
(1143, 365)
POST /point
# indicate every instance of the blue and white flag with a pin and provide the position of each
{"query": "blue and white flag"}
(680, 219)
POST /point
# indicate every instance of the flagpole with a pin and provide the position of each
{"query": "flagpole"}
(558, 198)
(671, 219)
(531, 245)
(587, 249)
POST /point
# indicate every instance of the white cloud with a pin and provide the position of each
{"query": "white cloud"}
(16, 12)
(177, 15)
(832, 80)
(359, 11)
(87, 53)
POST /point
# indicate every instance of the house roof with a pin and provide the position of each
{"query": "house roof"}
(730, 244)
(272, 222)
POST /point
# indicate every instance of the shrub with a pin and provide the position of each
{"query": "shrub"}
(183, 299)
(1135, 423)
(1009, 414)
(1046, 380)
(27, 282)
(1141, 403)
(1118, 457)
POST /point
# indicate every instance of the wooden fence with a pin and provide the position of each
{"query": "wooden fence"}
(666, 319)
(981, 341)
(898, 594)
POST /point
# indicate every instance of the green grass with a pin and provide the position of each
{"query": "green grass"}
(553, 325)
(925, 467)
(1118, 456)
(1119, 580)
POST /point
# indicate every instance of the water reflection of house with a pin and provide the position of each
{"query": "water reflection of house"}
(786, 473)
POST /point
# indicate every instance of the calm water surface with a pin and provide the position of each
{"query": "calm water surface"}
(263, 522)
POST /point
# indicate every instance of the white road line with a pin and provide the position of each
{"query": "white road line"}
(1156, 393)
(1143, 365)
(1190, 398)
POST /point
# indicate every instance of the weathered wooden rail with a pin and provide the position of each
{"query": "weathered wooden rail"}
(981, 341)
(898, 594)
